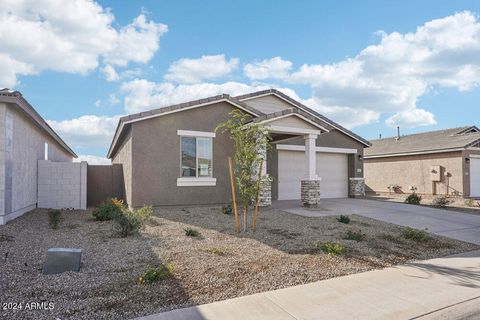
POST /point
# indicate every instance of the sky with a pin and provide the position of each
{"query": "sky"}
(369, 65)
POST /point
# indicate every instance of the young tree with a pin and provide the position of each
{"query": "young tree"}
(251, 142)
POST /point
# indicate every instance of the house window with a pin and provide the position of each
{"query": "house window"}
(45, 151)
(196, 158)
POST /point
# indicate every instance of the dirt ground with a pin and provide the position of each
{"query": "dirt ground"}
(218, 264)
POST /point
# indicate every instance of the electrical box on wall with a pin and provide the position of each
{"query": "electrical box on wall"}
(436, 173)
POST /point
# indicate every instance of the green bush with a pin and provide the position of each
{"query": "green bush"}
(190, 232)
(471, 203)
(343, 219)
(440, 202)
(415, 234)
(227, 209)
(107, 210)
(54, 218)
(155, 274)
(217, 251)
(354, 235)
(128, 222)
(413, 199)
(332, 248)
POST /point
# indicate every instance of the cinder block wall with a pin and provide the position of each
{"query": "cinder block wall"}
(62, 184)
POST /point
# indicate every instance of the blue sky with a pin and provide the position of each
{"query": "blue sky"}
(370, 65)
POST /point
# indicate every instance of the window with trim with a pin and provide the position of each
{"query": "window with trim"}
(196, 157)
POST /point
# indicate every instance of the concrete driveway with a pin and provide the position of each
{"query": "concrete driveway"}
(456, 225)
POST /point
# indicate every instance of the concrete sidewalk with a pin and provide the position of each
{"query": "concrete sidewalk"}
(443, 288)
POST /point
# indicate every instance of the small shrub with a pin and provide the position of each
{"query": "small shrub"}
(155, 274)
(354, 235)
(471, 203)
(440, 202)
(343, 219)
(413, 199)
(107, 210)
(128, 222)
(217, 251)
(227, 209)
(190, 232)
(415, 234)
(332, 248)
(54, 218)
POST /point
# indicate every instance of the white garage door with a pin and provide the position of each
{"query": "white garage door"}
(331, 167)
(474, 177)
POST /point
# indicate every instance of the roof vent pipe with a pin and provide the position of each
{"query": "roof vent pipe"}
(398, 132)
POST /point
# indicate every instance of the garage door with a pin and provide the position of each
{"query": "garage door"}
(474, 177)
(331, 167)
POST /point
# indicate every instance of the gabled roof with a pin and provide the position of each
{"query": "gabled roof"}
(15, 97)
(301, 106)
(427, 142)
(124, 121)
(236, 101)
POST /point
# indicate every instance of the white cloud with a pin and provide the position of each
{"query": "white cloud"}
(69, 36)
(98, 103)
(411, 118)
(86, 131)
(92, 159)
(391, 76)
(269, 68)
(196, 70)
(141, 95)
(110, 73)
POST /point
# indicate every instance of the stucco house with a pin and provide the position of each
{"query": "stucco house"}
(444, 162)
(173, 156)
(25, 138)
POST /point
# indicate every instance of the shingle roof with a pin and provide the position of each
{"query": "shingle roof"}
(301, 109)
(190, 104)
(305, 108)
(15, 97)
(432, 141)
(177, 107)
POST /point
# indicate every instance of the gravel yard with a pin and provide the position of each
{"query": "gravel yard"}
(217, 265)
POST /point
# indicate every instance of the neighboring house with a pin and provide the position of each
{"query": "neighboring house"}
(172, 155)
(445, 162)
(25, 138)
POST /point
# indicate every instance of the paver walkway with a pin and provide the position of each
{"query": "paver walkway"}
(457, 225)
(443, 288)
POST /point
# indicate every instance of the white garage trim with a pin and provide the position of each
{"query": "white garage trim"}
(292, 130)
(317, 149)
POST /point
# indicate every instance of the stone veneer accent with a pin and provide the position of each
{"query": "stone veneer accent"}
(310, 193)
(265, 193)
(357, 187)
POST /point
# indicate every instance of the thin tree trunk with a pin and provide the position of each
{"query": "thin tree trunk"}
(245, 209)
(232, 181)
(255, 212)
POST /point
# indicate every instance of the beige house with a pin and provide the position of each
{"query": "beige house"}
(444, 162)
(25, 138)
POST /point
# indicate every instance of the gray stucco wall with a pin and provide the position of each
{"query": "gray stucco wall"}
(22, 144)
(156, 158)
(123, 157)
(332, 139)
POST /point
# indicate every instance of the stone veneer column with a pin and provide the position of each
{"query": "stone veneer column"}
(265, 194)
(310, 185)
(310, 193)
(357, 187)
